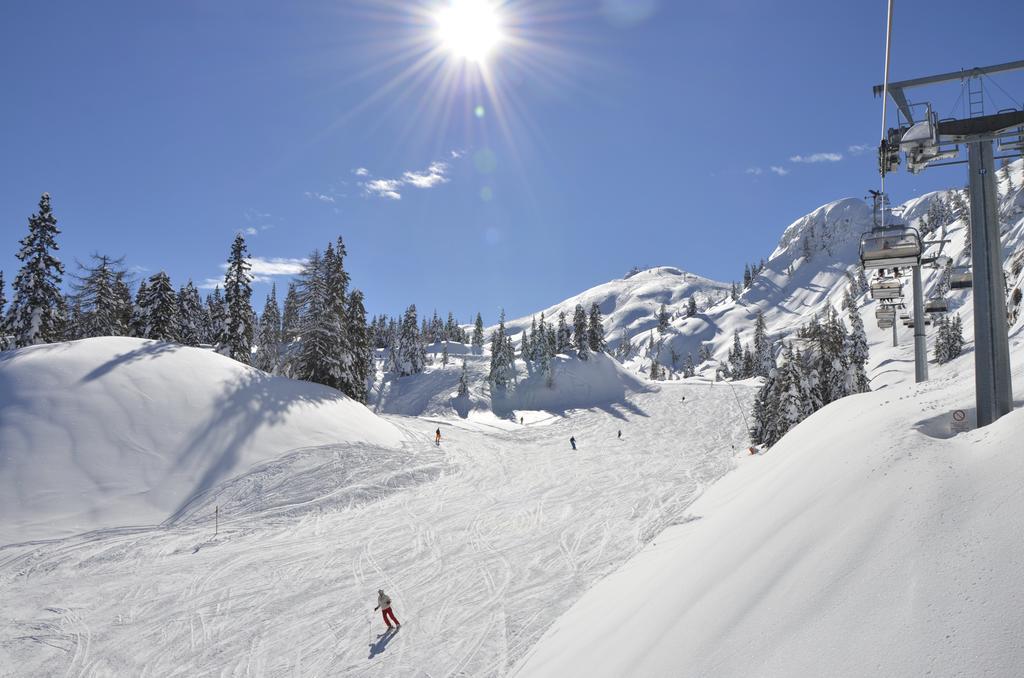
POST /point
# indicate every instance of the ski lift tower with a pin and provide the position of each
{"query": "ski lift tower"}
(933, 142)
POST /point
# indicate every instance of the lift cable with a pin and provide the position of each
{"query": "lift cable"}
(956, 103)
(990, 100)
(1008, 95)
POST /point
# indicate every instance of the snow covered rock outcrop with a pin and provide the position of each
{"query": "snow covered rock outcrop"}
(805, 273)
(119, 431)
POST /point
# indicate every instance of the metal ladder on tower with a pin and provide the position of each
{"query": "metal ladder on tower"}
(975, 97)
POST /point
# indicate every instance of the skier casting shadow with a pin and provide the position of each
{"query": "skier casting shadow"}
(384, 605)
(437, 436)
(572, 441)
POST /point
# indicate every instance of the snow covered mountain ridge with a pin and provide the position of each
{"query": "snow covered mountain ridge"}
(630, 304)
(809, 272)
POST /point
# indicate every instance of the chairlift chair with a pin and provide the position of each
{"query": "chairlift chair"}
(960, 278)
(936, 306)
(885, 324)
(904, 316)
(886, 288)
(922, 146)
(910, 323)
(887, 246)
(885, 313)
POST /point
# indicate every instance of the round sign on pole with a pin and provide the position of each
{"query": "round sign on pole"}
(959, 415)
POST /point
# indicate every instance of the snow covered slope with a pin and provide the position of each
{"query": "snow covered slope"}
(119, 431)
(514, 527)
(869, 541)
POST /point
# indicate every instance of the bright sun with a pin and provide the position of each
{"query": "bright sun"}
(469, 29)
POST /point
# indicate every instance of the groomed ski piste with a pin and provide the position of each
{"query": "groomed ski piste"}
(169, 512)
(481, 542)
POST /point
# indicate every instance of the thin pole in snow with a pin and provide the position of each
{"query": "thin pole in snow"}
(216, 520)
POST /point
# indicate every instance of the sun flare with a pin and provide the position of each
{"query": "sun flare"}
(469, 29)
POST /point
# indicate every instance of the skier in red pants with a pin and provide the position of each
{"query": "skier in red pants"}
(384, 605)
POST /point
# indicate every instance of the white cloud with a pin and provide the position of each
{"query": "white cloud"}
(817, 157)
(319, 196)
(274, 266)
(384, 188)
(435, 175)
(781, 171)
(756, 171)
(858, 149)
(262, 270)
(256, 221)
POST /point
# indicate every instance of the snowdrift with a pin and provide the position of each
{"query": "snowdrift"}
(119, 431)
(869, 541)
(576, 384)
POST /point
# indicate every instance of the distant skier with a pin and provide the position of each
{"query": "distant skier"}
(384, 605)
(620, 434)
(437, 436)
(572, 441)
(520, 420)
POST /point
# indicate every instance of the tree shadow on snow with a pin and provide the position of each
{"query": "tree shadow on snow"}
(613, 409)
(152, 349)
(7, 400)
(253, 399)
(461, 406)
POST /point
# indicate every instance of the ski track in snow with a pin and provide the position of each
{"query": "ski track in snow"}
(482, 546)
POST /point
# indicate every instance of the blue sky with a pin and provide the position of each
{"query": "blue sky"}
(614, 133)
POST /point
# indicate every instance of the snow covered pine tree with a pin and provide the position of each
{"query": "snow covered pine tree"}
(36, 315)
(238, 329)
